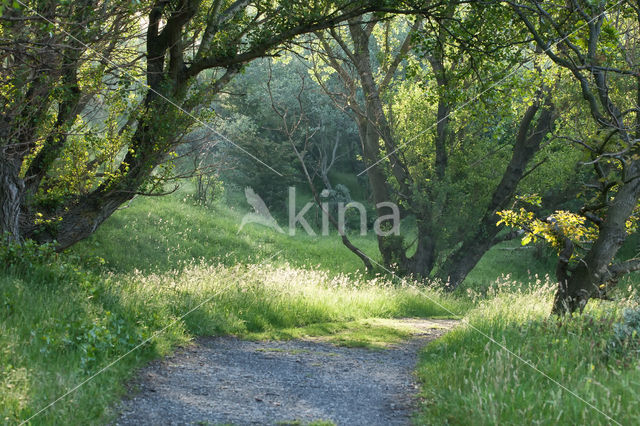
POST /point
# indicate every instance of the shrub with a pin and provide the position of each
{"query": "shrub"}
(626, 334)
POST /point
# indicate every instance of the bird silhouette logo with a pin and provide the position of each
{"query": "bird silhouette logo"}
(261, 213)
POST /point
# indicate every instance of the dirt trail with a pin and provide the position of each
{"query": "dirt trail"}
(225, 380)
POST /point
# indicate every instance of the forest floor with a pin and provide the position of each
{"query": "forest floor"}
(226, 380)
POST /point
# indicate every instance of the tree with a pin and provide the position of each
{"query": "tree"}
(295, 127)
(430, 172)
(192, 49)
(249, 97)
(43, 59)
(596, 42)
(354, 67)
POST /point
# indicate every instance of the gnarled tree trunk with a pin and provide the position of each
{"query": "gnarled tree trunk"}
(579, 283)
(528, 140)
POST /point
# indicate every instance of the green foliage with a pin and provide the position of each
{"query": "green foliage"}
(41, 262)
(21, 257)
(554, 229)
(458, 133)
(626, 335)
(247, 172)
(209, 189)
(251, 121)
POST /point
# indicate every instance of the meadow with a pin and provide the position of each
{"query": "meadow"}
(164, 271)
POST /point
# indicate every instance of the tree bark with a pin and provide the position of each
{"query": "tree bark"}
(374, 110)
(458, 265)
(11, 196)
(421, 263)
(581, 282)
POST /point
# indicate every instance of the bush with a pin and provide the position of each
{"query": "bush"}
(18, 257)
(626, 334)
(41, 263)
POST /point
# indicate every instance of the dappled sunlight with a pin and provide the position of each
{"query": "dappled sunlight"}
(258, 297)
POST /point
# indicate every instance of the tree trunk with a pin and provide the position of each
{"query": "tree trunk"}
(458, 265)
(462, 261)
(81, 219)
(391, 250)
(84, 219)
(375, 115)
(573, 295)
(325, 180)
(371, 153)
(11, 195)
(422, 261)
(373, 129)
(581, 282)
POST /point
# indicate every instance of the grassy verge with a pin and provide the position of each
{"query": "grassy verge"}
(468, 380)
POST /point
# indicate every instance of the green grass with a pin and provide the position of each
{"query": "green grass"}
(357, 190)
(466, 379)
(159, 234)
(513, 261)
(372, 333)
(61, 320)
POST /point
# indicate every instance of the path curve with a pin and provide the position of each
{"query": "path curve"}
(225, 380)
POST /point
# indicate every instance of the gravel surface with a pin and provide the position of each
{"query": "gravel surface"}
(225, 380)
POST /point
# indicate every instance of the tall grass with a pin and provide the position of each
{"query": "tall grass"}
(467, 379)
(62, 320)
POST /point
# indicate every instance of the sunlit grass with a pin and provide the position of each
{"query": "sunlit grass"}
(159, 234)
(61, 324)
(372, 333)
(266, 297)
(467, 379)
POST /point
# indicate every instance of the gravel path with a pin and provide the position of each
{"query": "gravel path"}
(225, 380)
